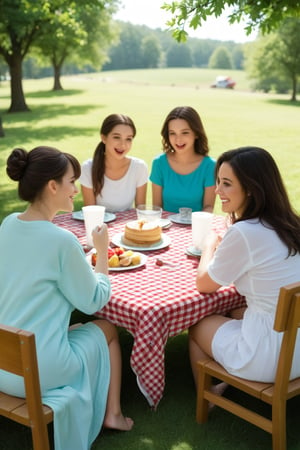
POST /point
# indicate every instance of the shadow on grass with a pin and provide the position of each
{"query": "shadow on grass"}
(28, 120)
(172, 426)
(42, 112)
(47, 94)
(282, 102)
(10, 202)
(54, 94)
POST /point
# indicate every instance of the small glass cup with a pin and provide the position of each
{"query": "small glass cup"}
(185, 214)
(149, 213)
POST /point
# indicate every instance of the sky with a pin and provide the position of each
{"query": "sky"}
(148, 12)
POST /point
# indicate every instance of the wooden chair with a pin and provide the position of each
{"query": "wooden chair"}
(287, 320)
(18, 356)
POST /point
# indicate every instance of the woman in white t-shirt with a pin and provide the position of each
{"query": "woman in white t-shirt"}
(112, 178)
(259, 253)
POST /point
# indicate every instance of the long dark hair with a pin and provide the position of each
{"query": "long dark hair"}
(267, 198)
(35, 168)
(193, 119)
(98, 167)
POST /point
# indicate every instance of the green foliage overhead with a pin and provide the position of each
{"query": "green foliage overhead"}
(273, 61)
(266, 15)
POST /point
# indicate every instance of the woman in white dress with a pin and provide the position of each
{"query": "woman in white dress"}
(112, 178)
(259, 253)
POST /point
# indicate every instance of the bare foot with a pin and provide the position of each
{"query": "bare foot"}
(218, 389)
(118, 422)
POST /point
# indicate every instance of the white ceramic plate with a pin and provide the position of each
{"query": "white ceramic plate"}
(165, 241)
(193, 251)
(165, 223)
(177, 219)
(108, 217)
(120, 269)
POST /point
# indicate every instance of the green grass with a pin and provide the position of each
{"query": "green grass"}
(70, 120)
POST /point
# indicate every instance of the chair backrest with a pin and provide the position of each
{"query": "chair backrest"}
(18, 356)
(287, 320)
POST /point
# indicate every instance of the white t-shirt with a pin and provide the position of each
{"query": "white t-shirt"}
(117, 195)
(253, 258)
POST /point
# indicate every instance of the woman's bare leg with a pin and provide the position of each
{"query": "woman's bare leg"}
(237, 313)
(200, 339)
(113, 415)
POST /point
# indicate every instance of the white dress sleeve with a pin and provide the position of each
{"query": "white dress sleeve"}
(85, 178)
(141, 170)
(232, 258)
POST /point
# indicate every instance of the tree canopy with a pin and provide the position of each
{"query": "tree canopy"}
(24, 22)
(273, 61)
(264, 15)
(79, 33)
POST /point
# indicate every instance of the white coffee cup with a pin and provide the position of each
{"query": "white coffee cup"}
(93, 216)
(201, 225)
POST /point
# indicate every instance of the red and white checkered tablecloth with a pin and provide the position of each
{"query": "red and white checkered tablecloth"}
(154, 302)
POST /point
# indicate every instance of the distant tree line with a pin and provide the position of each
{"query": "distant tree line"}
(141, 47)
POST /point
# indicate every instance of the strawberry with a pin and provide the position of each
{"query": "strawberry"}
(110, 252)
(119, 251)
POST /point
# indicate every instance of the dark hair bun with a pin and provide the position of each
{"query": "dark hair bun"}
(17, 163)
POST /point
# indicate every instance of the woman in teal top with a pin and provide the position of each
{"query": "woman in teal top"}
(79, 367)
(183, 176)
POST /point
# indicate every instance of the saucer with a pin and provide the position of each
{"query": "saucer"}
(178, 219)
(193, 251)
(165, 223)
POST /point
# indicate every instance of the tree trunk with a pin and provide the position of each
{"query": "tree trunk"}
(294, 90)
(1, 129)
(57, 84)
(18, 103)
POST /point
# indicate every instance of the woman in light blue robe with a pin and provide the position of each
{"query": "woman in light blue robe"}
(44, 276)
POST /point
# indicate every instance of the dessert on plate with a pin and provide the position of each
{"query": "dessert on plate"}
(141, 232)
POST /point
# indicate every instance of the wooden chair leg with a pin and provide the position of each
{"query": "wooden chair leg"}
(204, 383)
(279, 425)
(40, 439)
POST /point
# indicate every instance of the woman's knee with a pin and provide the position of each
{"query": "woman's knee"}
(108, 329)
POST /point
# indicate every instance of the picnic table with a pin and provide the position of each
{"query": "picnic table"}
(154, 302)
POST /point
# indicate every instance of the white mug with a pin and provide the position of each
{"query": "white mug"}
(93, 216)
(201, 225)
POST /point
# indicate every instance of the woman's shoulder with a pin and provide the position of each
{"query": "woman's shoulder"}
(160, 159)
(11, 217)
(208, 160)
(137, 161)
(160, 156)
(87, 163)
(252, 227)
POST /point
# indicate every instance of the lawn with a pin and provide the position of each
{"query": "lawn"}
(70, 120)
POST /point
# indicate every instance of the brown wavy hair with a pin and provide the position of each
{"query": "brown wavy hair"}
(98, 166)
(193, 119)
(267, 198)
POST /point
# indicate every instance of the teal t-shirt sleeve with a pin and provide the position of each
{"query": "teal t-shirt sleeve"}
(156, 175)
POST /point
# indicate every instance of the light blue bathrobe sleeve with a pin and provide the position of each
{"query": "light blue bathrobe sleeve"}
(44, 276)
